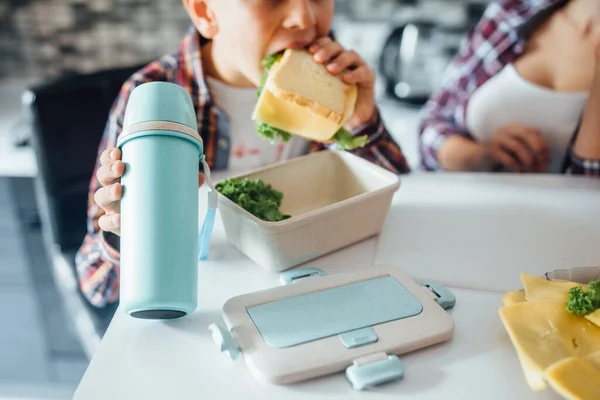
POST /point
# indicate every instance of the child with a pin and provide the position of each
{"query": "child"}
(219, 63)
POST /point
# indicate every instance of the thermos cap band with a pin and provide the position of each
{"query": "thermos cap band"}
(159, 126)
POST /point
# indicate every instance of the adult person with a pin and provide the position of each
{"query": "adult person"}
(522, 94)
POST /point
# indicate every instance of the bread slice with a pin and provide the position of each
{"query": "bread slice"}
(300, 96)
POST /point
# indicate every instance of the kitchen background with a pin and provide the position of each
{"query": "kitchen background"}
(43, 38)
(44, 345)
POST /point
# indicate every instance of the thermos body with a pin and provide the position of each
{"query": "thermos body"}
(159, 208)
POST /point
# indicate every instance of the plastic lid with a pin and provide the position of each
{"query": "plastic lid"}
(160, 106)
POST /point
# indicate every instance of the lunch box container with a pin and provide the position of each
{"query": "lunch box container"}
(583, 275)
(335, 199)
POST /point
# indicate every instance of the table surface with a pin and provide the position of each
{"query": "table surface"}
(157, 359)
(491, 228)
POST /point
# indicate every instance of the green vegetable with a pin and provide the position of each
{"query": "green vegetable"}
(254, 196)
(344, 139)
(582, 302)
(271, 133)
(265, 130)
(267, 63)
(347, 141)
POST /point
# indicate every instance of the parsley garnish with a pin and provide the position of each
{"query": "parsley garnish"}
(582, 302)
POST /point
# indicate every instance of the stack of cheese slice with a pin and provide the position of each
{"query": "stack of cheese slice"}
(553, 346)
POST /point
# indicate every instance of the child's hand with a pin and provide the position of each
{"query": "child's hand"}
(354, 70)
(108, 197)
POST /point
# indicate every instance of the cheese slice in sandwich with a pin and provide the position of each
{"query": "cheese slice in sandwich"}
(298, 96)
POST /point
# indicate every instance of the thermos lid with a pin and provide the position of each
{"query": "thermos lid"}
(159, 106)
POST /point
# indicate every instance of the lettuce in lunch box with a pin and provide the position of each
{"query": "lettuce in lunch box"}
(254, 196)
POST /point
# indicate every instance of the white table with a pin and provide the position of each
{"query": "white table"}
(177, 358)
(482, 231)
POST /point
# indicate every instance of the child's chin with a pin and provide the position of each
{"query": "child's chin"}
(256, 77)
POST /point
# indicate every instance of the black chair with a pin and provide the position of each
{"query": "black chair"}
(67, 117)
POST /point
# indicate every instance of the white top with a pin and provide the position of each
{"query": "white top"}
(248, 149)
(508, 98)
(177, 358)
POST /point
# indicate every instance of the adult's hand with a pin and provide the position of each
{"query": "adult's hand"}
(517, 148)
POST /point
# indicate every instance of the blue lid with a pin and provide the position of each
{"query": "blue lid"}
(160, 101)
(159, 106)
(317, 315)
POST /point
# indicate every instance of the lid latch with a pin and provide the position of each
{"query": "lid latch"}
(224, 340)
(444, 297)
(374, 369)
(292, 276)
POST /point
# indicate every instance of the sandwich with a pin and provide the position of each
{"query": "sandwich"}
(298, 96)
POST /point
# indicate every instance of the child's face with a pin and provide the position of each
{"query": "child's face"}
(245, 31)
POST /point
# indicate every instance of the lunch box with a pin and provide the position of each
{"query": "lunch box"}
(335, 199)
(583, 275)
(372, 316)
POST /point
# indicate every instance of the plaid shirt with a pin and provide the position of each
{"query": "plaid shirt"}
(98, 258)
(495, 41)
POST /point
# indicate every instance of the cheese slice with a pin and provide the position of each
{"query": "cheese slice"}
(594, 317)
(537, 288)
(517, 296)
(543, 332)
(576, 378)
(291, 117)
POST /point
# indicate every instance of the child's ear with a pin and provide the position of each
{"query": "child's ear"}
(202, 16)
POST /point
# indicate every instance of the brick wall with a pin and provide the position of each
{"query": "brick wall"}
(42, 38)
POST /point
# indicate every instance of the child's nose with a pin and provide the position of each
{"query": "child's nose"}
(300, 15)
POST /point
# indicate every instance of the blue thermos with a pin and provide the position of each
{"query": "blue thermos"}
(162, 151)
